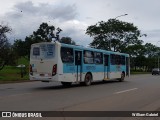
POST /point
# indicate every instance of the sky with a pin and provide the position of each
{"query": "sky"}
(74, 16)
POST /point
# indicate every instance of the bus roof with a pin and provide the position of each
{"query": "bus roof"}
(92, 49)
(78, 47)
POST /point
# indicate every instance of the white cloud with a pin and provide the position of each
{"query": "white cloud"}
(26, 17)
(74, 16)
(76, 30)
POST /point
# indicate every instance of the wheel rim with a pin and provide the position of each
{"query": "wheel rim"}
(88, 79)
(122, 77)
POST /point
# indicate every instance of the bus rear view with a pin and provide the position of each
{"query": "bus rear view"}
(43, 64)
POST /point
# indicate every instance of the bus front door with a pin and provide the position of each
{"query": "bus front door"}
(127, 66)
(106, 67)
(78, 65)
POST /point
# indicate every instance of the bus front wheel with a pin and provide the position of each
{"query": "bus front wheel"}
(88, 79)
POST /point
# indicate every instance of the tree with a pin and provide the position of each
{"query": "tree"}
(152, 54)
(19, 48)
(135, 50)
(114, 34)
(44, 33)
(67, 40)
(4, 45)
(151, 50)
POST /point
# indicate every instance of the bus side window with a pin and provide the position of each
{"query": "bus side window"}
(118, 59)
(88, 57)
(123, 60)
(67, 55)
(98, 58)
(113, 59)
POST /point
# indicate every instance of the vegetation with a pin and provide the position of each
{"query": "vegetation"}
(6, 52)
(67, 40)
(124, 37)
(45, 33)
(13, 73)
(114, 34)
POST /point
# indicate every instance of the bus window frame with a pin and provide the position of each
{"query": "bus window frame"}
(100, 59)
(86, 57)
(68, 56)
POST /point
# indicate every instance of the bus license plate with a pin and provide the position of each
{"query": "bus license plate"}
(42, 75)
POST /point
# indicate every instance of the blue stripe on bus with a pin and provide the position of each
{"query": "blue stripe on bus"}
(71, 68)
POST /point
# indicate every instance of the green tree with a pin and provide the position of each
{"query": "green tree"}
(67, 40)
(152, 54)
(4, 45)
(151, 50)
(44, 33)
(114, 34)
(19, 47)
(135, 50)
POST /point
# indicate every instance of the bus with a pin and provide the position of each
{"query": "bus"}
(58, 62)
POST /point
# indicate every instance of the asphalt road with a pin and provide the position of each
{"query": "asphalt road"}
(137, 93)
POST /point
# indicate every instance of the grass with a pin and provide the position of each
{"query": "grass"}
(13, 74)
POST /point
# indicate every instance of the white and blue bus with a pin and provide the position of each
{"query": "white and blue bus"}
(54, 61)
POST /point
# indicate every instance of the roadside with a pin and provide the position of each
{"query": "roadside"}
(12, 74)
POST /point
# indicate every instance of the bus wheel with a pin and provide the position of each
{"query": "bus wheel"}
(66, 84)
(88, 79)
(122, 77)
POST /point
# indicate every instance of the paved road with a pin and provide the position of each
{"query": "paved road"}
(139, 92)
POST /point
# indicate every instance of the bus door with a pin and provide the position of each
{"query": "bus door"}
(106, 67)
(78, 65)
(127, 66)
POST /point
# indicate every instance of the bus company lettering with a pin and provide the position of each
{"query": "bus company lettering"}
(118, 68)
(69, 65)
(90, 67)
(72, 69)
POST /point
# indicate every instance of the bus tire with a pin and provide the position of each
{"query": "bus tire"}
(122, 77)
(88, 79)
(66, 84)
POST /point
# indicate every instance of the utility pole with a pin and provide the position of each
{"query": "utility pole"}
(110, 39)
(158, 56)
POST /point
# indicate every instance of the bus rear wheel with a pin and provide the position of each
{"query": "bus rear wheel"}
(88, 79)
(66, 84)
(122, 77)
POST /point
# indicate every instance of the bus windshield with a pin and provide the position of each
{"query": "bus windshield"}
(43, 51)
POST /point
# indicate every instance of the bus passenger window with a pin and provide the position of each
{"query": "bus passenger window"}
(67, 55)
(113, 62)
(98, 58)
(88, 57)
(123, 60)
(117, 59)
